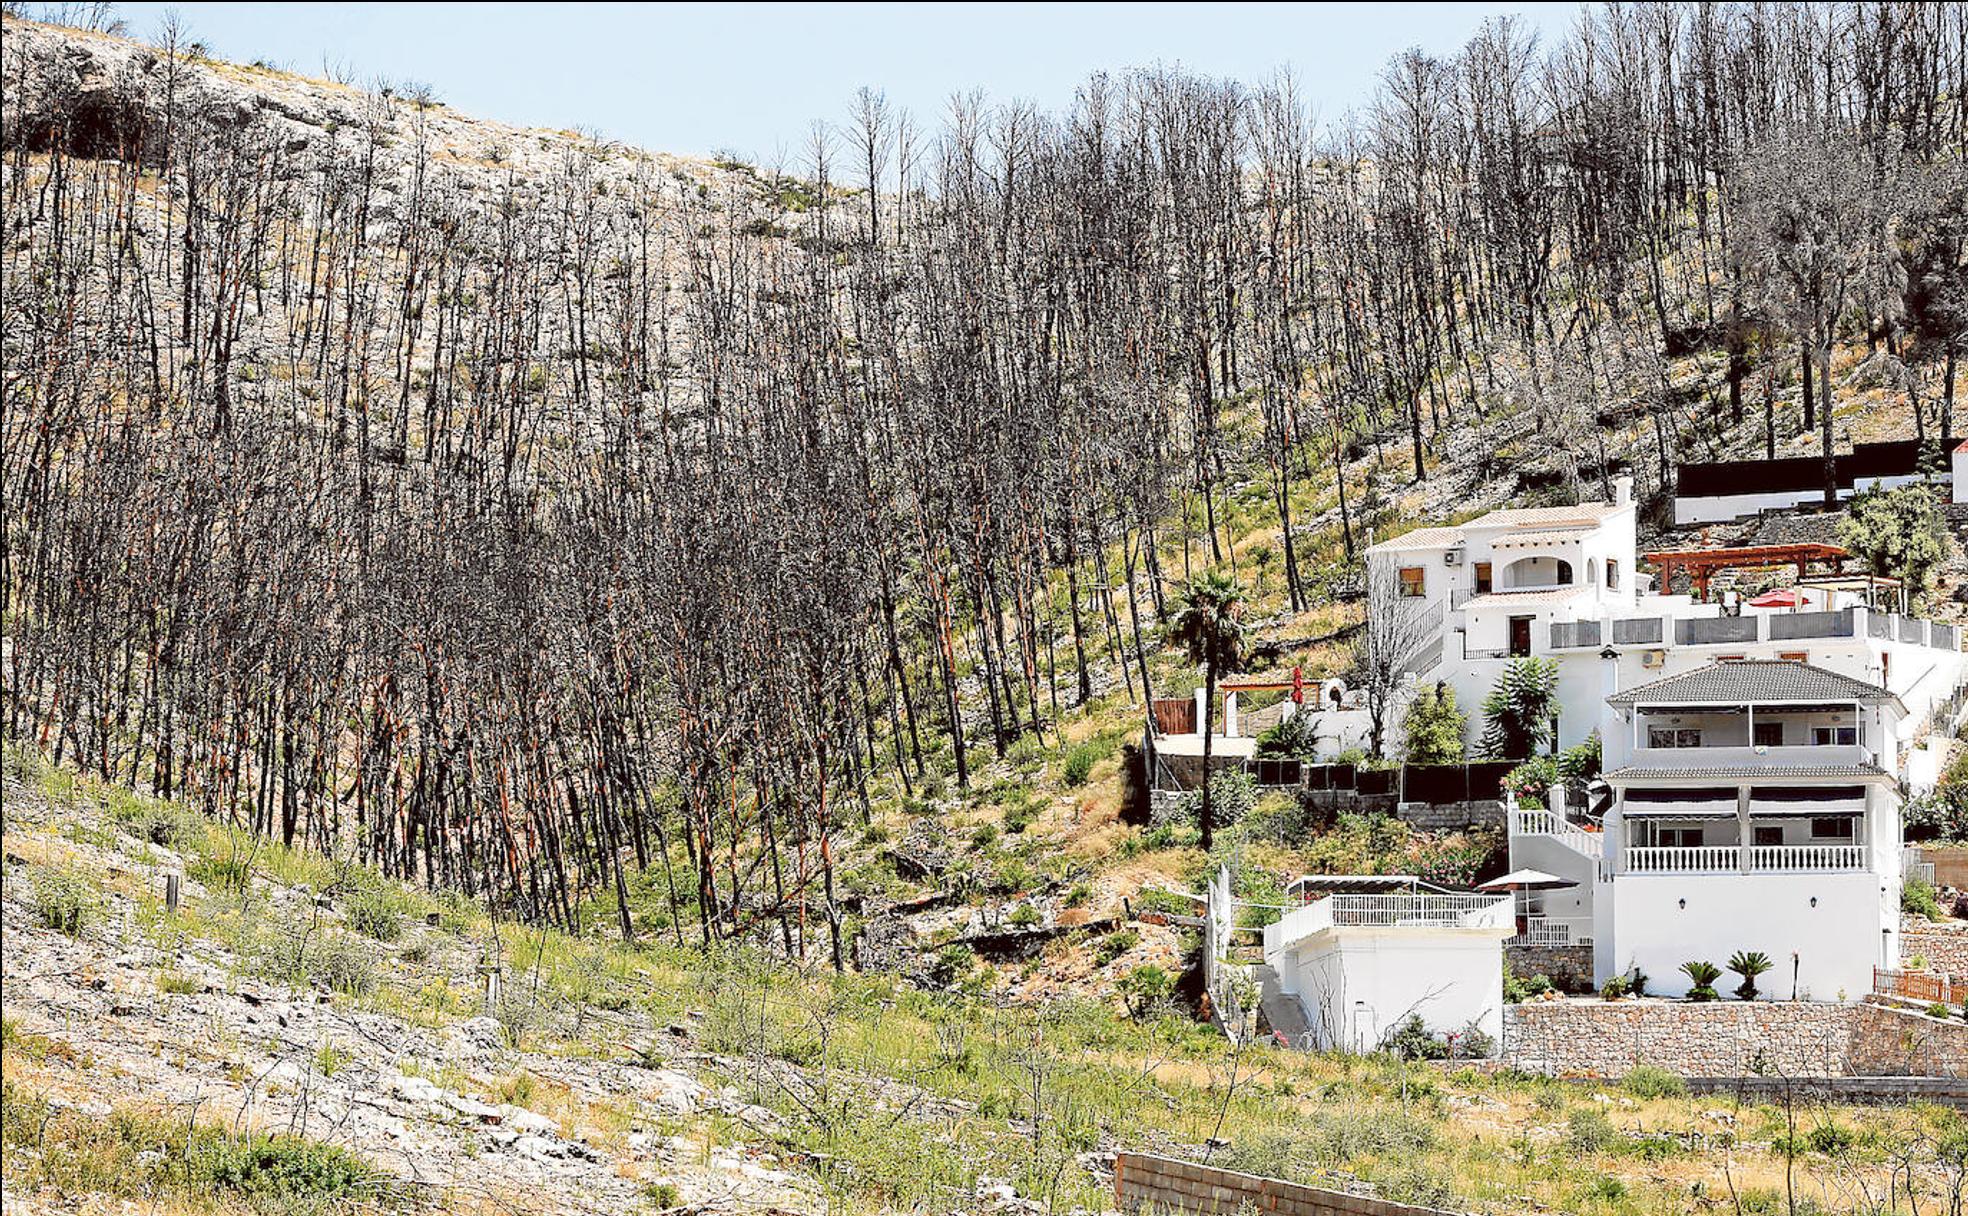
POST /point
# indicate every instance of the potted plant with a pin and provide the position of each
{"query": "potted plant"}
(1702, 975)
(1749, 964)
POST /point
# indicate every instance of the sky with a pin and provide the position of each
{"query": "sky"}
(751, 80)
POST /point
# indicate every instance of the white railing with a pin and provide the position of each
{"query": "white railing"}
(1418, 911)
(1548, 823)
(1553, 931)
(1703, 859)
(1808, 857)
(1440, 911)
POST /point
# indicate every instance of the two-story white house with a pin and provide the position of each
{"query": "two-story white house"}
(1754, 808)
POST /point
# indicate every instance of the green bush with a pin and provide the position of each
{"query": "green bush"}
(1919, 898)
(63, 901)
(1412, 1040)
(1145, 988)
(1114, 945)
(1649, 1081)
(1701, 976)
(1589, 1131)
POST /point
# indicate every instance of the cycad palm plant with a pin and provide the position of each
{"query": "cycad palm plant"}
(1208, 624)
(1749, 964)
(1702, 975)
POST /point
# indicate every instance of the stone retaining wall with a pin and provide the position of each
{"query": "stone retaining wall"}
(1711, 1039)
(1145, 1182)
(1568, 967)
(1889, 1042)
(1945, 946)
(1732, 1039)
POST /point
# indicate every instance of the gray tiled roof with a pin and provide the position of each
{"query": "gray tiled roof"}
(1750, 772)
(1752, 681)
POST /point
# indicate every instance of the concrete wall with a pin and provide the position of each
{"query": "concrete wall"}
(1659, 921)
(1146, 1182)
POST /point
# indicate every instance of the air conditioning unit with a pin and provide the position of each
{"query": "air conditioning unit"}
(1652, 658)
(1452, 558)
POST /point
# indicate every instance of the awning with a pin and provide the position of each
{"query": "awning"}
(1714, 803)
(1807, 800)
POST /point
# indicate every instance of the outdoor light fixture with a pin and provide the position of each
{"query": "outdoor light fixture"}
(1684, 905)
(1814, 901)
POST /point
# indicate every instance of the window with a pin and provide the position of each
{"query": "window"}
(1766, 838)
(1520, 636)
(1612, 575)
(1414, 582)
(1767, 734)
(1681, 838)
(1564, 573)
(1834, 736)
(1669, 736)
(1482, 570)
(1796, 656)
(1834, 828)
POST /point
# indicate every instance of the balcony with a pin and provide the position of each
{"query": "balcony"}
(1417, 911)
(1763, 859)
(1552, 931)
(1754, 627)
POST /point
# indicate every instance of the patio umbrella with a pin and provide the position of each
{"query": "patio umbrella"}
(1526, 880)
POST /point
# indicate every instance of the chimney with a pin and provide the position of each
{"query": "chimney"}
(1622, 489)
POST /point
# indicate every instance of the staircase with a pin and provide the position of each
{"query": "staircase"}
(1526, 822)
(1280, 1012)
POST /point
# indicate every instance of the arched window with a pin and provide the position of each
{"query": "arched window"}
(1591, 571)
(1564, 573)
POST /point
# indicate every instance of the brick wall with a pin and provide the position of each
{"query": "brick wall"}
(1568, 967)
(1945, 946)
(1888, 1042)
(1143, 1181)
(1711, 1039)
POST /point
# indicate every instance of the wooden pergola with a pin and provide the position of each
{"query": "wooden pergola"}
(1701, 564)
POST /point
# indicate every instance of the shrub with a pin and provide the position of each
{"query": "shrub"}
(1650, 1081)
(1701, 976)
(372, 912)
(1145, 988)
(1114, 945)
(1919, 898)
(1025, 916)
(1021, 807)
(343, 964)
(63, 901)
(1435, 726)
(1079, 896)
(1080, 759)
(1517, 990)
(1616, 987)
(1589, 1131)
(952, 963)
(1412, 1040)
(1472, 1042)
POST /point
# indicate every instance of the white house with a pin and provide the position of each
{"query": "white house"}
(1362, 954)
(1562, 583)
(1754, 808)
(1959, 464)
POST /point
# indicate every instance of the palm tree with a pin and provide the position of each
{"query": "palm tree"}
(1206, 624)
(1702, 975)
(1749, 964)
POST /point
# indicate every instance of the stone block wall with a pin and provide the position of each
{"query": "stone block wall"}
(1713, 1039)
(1889, 1042)
(1568, 967)
(1146, 1182)
(1944, 946)
(1451, 816)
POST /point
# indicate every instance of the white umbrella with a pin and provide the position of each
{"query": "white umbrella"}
(1526, 880)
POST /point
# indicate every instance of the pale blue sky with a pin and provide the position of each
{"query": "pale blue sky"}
(751, 79)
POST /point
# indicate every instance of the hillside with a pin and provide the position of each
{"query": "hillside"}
(321, 1005)
(722, 600)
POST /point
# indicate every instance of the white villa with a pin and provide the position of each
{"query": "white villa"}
(1756, 753)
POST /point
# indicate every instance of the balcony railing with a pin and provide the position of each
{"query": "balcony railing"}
(1699, 859)
(1807, 857)
(1418, 911)
(1553, 931)
(1750, 757)
(1728, 859)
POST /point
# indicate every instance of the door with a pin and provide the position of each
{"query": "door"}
(1520, 636)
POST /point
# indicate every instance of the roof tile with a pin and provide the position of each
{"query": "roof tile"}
(1752, 681)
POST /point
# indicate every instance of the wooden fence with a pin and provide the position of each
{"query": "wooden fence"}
(1933, 987)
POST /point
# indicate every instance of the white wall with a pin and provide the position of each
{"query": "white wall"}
(1838, 941)
(1357, 984)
